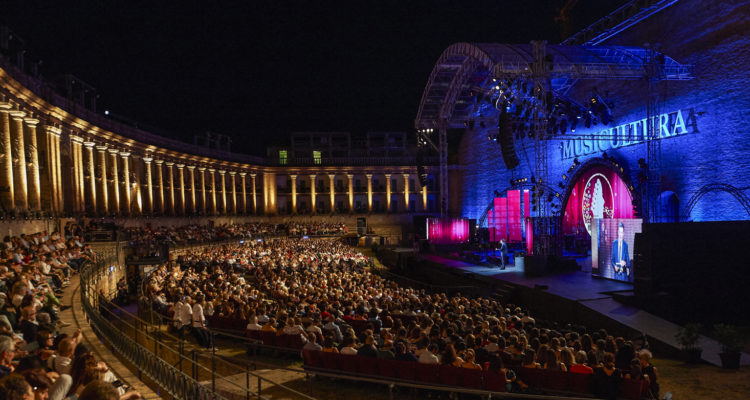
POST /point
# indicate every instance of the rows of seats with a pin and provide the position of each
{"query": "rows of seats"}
(542, 380)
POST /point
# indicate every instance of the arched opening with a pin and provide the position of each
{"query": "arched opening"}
(669, 207)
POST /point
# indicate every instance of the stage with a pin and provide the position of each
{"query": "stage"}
(595, 295)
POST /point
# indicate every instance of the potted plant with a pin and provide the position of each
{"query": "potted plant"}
(687, 337)
(731, 345)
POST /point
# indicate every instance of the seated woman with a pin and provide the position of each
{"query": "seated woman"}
(551, 362)
(469, 360)
(329, 346)
(529, 359)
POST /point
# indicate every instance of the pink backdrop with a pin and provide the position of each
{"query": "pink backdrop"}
(582, 203)
(504, 218)
(447, 230)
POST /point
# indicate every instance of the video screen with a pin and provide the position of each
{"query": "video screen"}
(612, 247)
(447, 230)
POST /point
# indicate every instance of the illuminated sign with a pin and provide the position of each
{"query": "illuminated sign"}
(670, 125)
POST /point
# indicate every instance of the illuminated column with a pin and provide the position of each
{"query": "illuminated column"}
(6, 177)
(202, 170)
(35, 192)
(103, 198)
(232, 175)
(223, 192)
(193, 206)
(212, 176)
(294, 193)
(92, 174)
(331, 178)
(138, 199)
(269, 193)
(244, 192)
(160, 182)
(255, 198)
(388, 192)
(149, 184)
(19, 158)
(115, 182)
(406, 192)
(351, 192)
(312, 192)
(369, 192)
(424, 198)
(126, 182)
(58, 164)
(74, 181)
(181, 169)
(170, 193)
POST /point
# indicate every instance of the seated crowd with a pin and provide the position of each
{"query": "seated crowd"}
(322, 292)
(186, 234)
(36, 359)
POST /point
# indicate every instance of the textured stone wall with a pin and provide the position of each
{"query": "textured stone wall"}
(710, 35)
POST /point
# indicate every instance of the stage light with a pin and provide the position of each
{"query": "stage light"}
(106, 112)
(576, 162)
(481, 124)
(574, 123)
(561, 185)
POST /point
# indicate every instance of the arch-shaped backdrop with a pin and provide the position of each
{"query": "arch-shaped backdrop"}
(620, 194)
(716, 187)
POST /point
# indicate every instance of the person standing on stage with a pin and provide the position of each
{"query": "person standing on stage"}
(620, 254)
(503, 253)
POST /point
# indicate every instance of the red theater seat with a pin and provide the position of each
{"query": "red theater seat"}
(367, 365)
(312, 358)
(293, 342)
(450, 375)
(330, 360)
(580, 383)
(255, 335)
(633, 389)
(348, 363)
(406, 370)
(471, 378)
(556, 380)
(493, 381)
(427, 373)
(268, 338)
(387, 367)
(534, 377)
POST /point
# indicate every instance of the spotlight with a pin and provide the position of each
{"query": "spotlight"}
(561, 185)
(576, 162)
(481, 124)
(573, 124)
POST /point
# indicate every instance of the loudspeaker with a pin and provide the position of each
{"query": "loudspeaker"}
(507, 145)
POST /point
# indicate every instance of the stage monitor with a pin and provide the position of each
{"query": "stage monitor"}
(612, 245)
(447, 230)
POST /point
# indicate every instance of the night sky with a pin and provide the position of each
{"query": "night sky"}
(258, 70)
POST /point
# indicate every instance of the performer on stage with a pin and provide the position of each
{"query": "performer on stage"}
(620, 254)
(503, 253)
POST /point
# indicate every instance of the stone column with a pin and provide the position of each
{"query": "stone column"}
(255, 197)
(193, 206)
(149, 184)
(369, 192)
(170, 194)
(244, 192)
(212, 178)
(269, 193)
(294, 193)
(92, 174)
(388, 192)
(331, 179)
(406, 192)
(233, 183)
(58, 165)
(35, 193)
(160, 182)
(76, 144)
(126, 182)
(202, 170)
(350, 177)
(137, 200)
(181, 170)
(19, 160)
(223, 192)
(103, 198)
(424, 198)
(312, 193)
(6, 169)
(115, 181)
